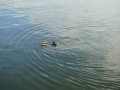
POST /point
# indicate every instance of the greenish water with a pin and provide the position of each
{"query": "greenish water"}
(88, 54)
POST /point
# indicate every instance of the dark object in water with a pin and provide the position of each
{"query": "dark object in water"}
(46, 44)
(54, 43)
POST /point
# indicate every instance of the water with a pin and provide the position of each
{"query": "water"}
(88, 54)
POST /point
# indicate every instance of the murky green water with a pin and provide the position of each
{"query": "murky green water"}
(88, 54)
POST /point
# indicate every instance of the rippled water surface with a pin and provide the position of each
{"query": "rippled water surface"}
(88, 54)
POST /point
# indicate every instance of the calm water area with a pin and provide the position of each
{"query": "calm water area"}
(88, 54)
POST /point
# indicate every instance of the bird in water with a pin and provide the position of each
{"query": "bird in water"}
(46, 44)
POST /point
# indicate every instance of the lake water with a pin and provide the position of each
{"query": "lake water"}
(88, 54)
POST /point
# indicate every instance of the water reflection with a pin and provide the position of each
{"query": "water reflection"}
(87, 56)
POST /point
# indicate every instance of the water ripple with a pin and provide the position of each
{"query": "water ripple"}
(87, 57)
